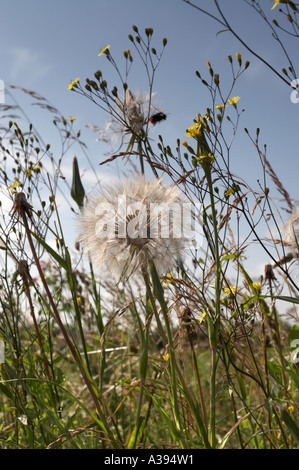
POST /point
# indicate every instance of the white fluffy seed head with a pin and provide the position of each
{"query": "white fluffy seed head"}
(127, 223)
(128, 116)
(291, 229)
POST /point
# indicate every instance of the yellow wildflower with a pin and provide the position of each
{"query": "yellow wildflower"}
(257, 286)
(184, 143)
(229, 290)
(220, 106)
(229, 192)
(203, 316)
(291, 409)
(169, 279)
(73, 84)
(239, 58)
(104, 50)
(15, 185)
(276, 2)
(28, 173)
(166, 357)
(194, 130)
(206, 158)
(72, 119)
(234, 100)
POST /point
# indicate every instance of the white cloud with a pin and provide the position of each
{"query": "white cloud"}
(27, 64)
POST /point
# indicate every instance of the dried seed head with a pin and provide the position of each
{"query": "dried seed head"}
(21, 206)
(23, 269)
(186, 315)
(269, 274)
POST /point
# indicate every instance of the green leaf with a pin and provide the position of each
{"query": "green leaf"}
(50, 250)
(287, 299)
(291, 425)
(222, 31)
(158, 289)
(224, 258)
(294, 333)
(135, 433)
(269, 405)
(242, 387)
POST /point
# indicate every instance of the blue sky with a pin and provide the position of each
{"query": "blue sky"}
(44, 45)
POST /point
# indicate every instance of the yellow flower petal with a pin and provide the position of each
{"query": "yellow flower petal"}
(73, 84)
(234, 100)
(104, 50)
(276, 2)
(257, 286)
(169, 279)
(229, 291)
(229, 192)
(194, 130)
(203, 316)
(15, 185)
(206, 158)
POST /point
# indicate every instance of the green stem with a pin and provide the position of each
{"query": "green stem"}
(140, 156)
(213, 323)
(159, 294)
(175, 369)
(76, 356)
(143, 359)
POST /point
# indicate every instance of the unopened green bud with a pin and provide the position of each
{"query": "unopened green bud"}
(98, 74)
(149, 31)
(77, 190)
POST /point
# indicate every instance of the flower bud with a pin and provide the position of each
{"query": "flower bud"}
(77, 190)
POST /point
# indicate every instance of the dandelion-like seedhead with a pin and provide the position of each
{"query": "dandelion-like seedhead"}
(291, 229)
(134, 112)
(129, 115)
(128, 223)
